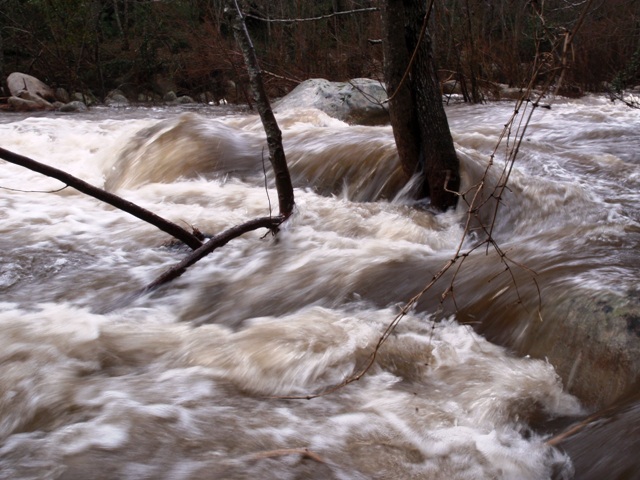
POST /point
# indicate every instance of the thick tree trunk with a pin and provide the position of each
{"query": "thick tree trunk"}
(404, 120)
(1, 56)
(418, 118)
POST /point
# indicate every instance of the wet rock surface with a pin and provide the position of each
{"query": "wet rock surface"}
(359, 101)
(614, 433)
(591, 338)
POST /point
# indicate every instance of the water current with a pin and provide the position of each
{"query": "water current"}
(186, 383)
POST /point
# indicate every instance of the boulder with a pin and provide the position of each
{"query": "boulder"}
(116, 98)
(18, 104)
(184, 99)
(359, 101)
(44, 105)
(28, 87)
(74, 106)
(170, 97)
(145, 98)
(86, 98)
(592, 338)
(62, 95)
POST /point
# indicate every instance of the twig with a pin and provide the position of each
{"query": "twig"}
(304, 452)
(311, 19)
(34, 191)
(266, 186)
(275, 75)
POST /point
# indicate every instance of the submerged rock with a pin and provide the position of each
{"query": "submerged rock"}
(606, 444)
(74, 106)
(591, 338)
(359, 101)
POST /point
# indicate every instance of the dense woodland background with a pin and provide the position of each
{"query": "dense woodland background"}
(152, 46)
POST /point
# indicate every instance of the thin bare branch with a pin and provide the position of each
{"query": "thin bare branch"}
(312, 19)
(274, 135)
(143, 214)
(215, 242)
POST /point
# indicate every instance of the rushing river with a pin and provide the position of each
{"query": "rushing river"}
(186, 382)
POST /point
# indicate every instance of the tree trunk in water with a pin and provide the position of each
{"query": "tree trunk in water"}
(404, 120)
(1, 56)
(419, 122)
(274, 135)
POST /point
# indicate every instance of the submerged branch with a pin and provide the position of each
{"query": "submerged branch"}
(303, 452)
(166, 226)
(277, 158)
(215, 242)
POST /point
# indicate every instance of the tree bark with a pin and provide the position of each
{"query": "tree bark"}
(404, 120)
(1, 56)
(419, 122)
(171, 228)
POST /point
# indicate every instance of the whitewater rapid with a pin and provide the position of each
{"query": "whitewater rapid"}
(186, 383)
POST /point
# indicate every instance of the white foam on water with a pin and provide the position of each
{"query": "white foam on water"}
(184, 383)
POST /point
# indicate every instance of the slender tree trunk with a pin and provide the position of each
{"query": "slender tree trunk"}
(1, 55)
(123, 33)
(418, 118)
(276, 156)
(274, 135)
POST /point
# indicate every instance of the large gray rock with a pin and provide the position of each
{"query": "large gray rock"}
(30, 88)
(18, 104)
(359, 101)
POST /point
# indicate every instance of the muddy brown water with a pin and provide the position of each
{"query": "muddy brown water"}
(184, 383)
